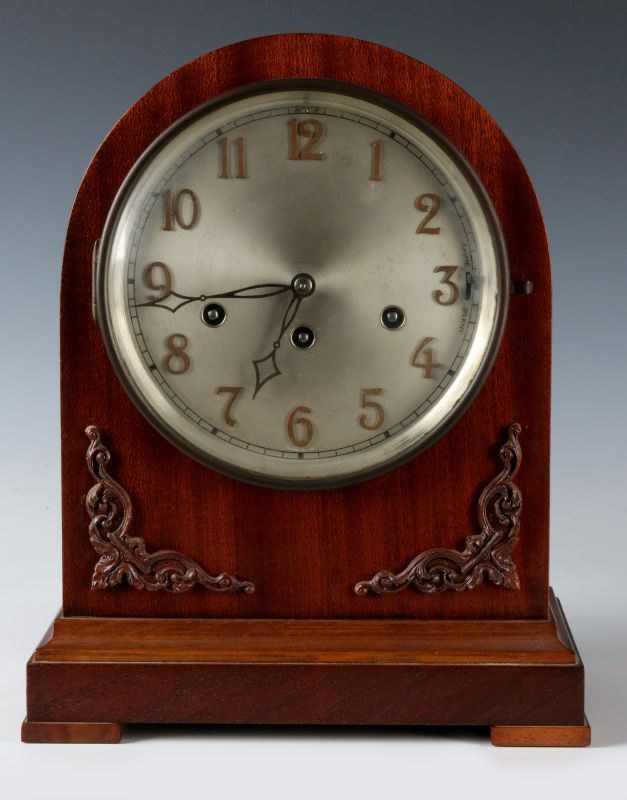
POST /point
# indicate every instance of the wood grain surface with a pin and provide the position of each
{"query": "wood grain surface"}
(308, 694)
(71, 732)
(304, 551)
(82, 639)
(541, 736)
(335, 672)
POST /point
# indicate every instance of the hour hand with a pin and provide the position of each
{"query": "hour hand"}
(267, 368)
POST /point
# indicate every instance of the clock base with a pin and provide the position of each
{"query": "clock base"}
(522, 678)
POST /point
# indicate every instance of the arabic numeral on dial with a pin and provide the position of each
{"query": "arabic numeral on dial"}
(423, 358)
(158, 277)
(225, 158)
(430, 204)
(450, 297)
(375, 174)
(176, 361)
(312, 130)
(226, 414)
(180, 210)
(300, 429)
(374, 421)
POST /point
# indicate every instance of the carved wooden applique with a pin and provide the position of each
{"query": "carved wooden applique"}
(125, 557)
(486, 554)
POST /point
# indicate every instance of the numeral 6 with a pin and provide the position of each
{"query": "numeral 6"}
(300, 429)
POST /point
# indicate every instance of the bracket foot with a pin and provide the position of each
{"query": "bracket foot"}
(540, 736)
(71, 732)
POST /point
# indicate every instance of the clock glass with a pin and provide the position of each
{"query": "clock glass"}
(302, 284)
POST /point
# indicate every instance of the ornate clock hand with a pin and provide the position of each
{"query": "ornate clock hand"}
(247, 292)
(266, 368)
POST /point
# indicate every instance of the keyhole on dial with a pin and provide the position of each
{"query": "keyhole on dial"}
(213, 315)
(392, 318)
(303, 337)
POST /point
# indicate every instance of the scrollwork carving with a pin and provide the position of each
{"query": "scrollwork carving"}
(486, 554)
(125, 557)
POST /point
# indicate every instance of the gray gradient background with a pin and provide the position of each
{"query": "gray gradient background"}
(552, 74)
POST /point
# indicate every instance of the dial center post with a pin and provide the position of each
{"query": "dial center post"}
(303, 285)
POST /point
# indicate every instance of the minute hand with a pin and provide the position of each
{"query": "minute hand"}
(247, 292)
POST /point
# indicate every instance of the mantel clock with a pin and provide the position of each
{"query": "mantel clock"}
(305, 340)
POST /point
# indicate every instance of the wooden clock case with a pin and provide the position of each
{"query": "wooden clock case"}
(305, 647)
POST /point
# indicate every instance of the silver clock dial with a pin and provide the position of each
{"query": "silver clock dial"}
(302, 287)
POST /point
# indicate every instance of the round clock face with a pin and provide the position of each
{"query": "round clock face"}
(302, 285)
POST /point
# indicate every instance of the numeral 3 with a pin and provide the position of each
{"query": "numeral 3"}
(438, 295)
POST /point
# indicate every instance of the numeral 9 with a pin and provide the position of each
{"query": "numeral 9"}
(438, 295)
(157, 276)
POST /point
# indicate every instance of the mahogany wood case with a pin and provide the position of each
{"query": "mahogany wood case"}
(305, 551)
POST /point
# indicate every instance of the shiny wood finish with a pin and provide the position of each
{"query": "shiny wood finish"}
(304, 641)
(509, 673)
(305, 551)
(71, 732)
(546, 736)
